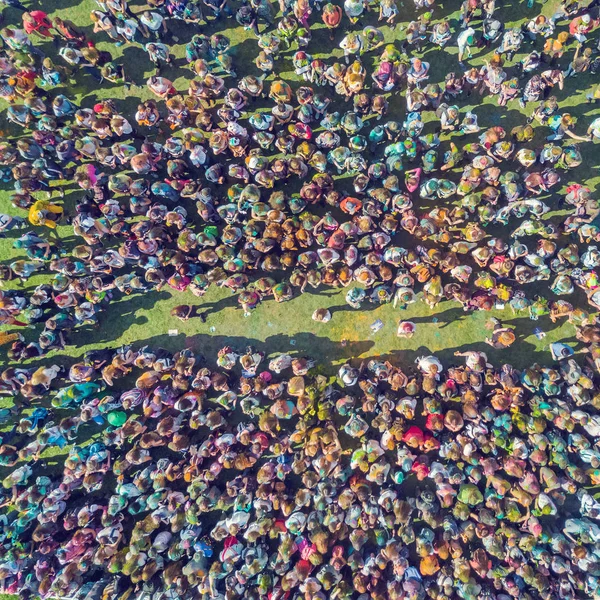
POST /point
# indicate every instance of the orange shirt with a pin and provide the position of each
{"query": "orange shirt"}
(552, 46)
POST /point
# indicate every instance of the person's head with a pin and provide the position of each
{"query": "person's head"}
(567, 120)
(70, 54)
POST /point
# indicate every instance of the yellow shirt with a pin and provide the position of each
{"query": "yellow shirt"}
(37, 213)
(7, 338)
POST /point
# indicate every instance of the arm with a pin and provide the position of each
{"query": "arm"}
(578, 137)
(502, 329)
(489, 153)
(47, 248)
(317, 227)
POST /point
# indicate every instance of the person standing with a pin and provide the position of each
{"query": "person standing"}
(464, 42)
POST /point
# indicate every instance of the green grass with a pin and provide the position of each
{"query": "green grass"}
(273, 327)
(288, 326)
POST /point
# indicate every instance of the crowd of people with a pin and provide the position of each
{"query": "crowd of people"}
(257, 478)
(235, 182)
(260, 479)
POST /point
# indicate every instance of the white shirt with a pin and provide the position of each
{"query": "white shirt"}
(463, 36)
(154, 22)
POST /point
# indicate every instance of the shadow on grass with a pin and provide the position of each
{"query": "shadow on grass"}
(299, 345)
(123, 315)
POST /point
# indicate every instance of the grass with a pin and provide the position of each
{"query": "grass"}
(288, 326)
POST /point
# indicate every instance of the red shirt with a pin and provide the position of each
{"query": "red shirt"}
(578, 26)
(40, 23)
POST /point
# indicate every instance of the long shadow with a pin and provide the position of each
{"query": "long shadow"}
(301, 344)
(526, 327)
(445, 318)
(219, 305)
(365, 307)
(113, 323)
(324, 291)
(122, 316)
(405, 358)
